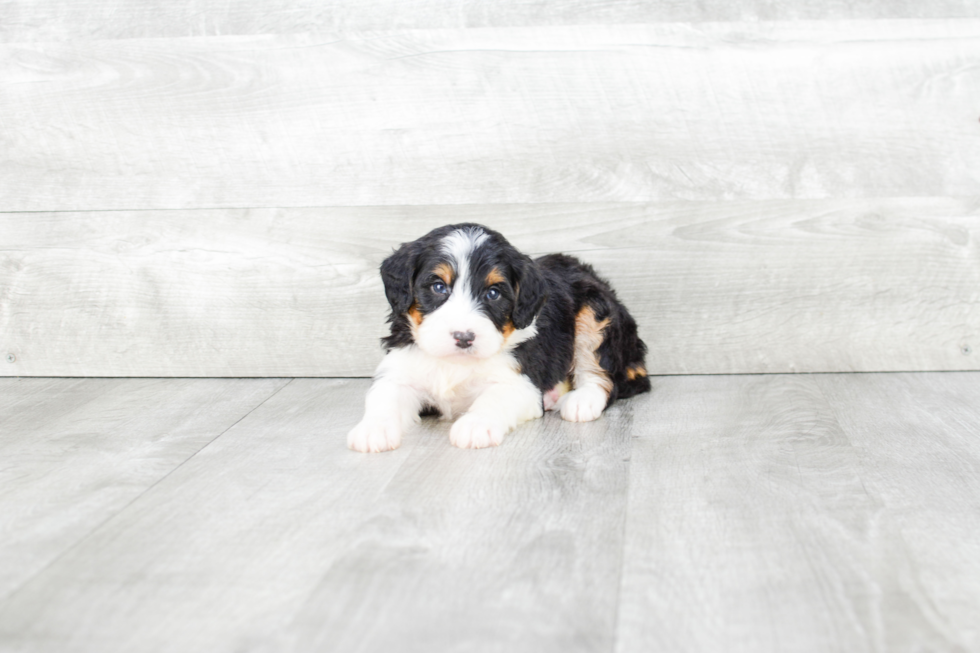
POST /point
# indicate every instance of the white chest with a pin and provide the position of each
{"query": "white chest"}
(449, 385)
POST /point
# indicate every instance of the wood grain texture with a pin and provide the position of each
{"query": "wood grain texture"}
(222, 549)
(717, 513)
(50, 20)
(923, 427)
(76, 453)
(512, 549)
(807, 109)
(754, 523)
(277, 538)
(779, 286)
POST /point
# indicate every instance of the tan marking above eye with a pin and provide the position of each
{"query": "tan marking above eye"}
(444, 272)
(494, 276)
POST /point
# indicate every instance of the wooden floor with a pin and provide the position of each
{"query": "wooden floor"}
(719, 513)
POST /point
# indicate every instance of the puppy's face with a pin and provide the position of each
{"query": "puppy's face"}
(463, 291)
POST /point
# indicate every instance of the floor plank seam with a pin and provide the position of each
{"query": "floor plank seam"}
(614, 643)
(124, 508)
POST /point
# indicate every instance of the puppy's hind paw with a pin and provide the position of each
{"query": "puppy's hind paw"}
(373, 436)
(584, 404)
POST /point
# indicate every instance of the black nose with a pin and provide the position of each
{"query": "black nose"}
(464, 340)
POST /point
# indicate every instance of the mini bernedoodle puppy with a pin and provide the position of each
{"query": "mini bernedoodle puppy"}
(483, 334)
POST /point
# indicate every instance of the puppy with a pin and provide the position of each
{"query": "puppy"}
(482, 334)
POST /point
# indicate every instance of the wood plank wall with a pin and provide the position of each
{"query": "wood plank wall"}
(200, 189)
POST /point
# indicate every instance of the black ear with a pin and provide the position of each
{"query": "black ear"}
(398, 275)
(531, 293)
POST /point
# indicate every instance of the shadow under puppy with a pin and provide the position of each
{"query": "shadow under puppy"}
(483, 334)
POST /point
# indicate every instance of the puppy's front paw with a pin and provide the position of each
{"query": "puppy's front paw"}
(473, 431)
(374, 435)
(584, 404)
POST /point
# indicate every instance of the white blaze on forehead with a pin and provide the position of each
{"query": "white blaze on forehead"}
(461, 312)
(459, 245)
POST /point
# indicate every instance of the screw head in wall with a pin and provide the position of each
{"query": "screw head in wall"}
(966, 350)
(11, 358)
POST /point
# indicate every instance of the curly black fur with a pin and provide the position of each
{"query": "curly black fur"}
(549, 291)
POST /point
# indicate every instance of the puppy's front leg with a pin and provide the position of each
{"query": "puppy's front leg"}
(389, 409)
(498, 409)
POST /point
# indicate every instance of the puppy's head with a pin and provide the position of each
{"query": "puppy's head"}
(463, 291)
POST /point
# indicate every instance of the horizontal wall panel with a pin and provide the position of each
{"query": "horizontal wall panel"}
(717, 287)
(499, 115)
(41, 20)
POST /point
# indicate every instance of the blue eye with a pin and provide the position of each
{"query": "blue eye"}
(439, 288)
(492, 294)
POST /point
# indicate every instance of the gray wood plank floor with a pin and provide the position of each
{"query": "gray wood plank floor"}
(718, 513)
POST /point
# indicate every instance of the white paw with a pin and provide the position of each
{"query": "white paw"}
(584, 404)
(472, 431)
(374, 435)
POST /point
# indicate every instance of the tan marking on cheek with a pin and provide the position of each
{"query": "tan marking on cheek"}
(414, 314)
(585, 361)
(444, 272)
(635, 372)
(507, 330)
(494, 276)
